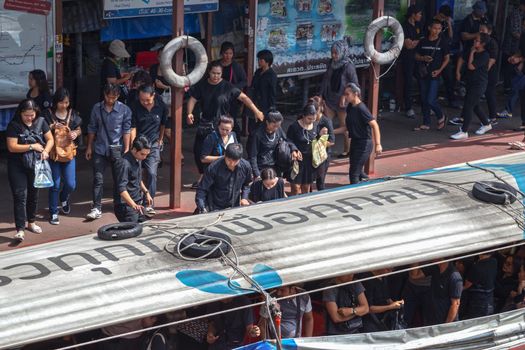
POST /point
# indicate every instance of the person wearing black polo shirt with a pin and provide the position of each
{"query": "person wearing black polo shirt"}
(433, 54)
(447, 286)
(130, 190)
(493, 50)
(413, 33)
(477, 79)
(360, 124)
(226, 183)
(470, 26)
(216, 97)
(479, 285)
(149, 116)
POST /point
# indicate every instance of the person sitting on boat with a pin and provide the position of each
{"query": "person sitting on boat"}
(226, 183)
(480, 284)
(345, 306)
(446, 287)
(268, 187)
(297, 319)
(227, 330)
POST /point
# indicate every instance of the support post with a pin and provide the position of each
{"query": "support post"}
(249, 38)
(59, 46)
(373, 89)
(209, 33)
(177, 96)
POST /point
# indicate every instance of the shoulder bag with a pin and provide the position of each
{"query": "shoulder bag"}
(64, 149)
(422, 66)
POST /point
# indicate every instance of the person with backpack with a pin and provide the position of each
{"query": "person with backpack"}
(345, 306)
(263, 147)
(215, 143)
(28, 139)
(340, 72)
(64, 123)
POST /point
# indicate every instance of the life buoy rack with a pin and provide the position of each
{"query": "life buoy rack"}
(369, 42)
(166, 59)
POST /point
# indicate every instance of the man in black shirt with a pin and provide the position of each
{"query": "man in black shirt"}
(413, 33)
(493, 50)
(480, 284)
(432, 54)
(216, 96)
(110, 71)
(477, 79)
(130, 189)
(149, 117)
(446, 286)
(360, 123)
(226, 183)
(470, 26)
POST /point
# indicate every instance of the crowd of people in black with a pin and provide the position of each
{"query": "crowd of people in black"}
(127, 129)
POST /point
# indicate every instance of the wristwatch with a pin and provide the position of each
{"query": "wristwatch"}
(30, 147)
(353, 311)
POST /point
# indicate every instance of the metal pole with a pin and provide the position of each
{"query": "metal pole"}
(249, 38)
(209, 33)
(373, 91)
(58, 48)
(177, 96)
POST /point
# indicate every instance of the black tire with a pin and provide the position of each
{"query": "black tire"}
(118, 231)
(198, 249)
(494, 192)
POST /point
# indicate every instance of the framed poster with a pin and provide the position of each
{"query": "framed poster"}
(300, 33)
(26, 43)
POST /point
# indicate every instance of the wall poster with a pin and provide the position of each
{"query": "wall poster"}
(26, 43)
(301, 32)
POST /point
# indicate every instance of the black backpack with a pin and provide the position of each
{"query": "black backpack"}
(283, 155)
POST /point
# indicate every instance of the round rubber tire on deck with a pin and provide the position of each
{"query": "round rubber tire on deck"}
(192, 246)
(122, 230)
(494, 192)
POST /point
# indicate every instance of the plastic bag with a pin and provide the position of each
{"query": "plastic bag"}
(319, 154)
(43, 175)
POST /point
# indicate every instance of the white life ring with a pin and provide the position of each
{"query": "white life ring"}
(370, 34)
(166, 59)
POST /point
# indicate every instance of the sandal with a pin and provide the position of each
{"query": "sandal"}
(442, 122)
(422, 128)
(34, 228)
(517, 145)
(343, 155)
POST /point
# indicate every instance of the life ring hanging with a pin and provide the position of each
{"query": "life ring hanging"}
(166, 59)
(369, 42)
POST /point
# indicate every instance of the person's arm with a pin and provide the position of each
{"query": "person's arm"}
(393, 305)
(245, 191)
(253, 151)
(127, 198)
(492, 61)
(126, 130)
(360, 310)
(377, 136)
(331, 309)
(470, 64)
(126, 140)
(192, 101)
(465, 36)
(452, 311)
(145, 190)
(211, 337)
(272, 93)
(459, 65)
(248, 103)
(437, 72)
(162, 129)
(50, 142)
(203, 189)
(240, 75)
(450, 28)
(308, 325)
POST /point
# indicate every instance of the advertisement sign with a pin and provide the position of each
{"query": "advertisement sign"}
(300, 33)
(25, 40)
(141, 8)
(39, 7)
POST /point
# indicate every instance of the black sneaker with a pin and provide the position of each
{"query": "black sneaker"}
(65, 208)
(456, 121)
(54, 220)
(195, 185)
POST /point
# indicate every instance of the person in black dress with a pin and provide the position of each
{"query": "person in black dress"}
(268, 187)
(361, 124)
(39, 89)
(301, 133)
(263, 90)
(216, 97)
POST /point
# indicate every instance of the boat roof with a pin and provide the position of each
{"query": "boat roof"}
(82, 283)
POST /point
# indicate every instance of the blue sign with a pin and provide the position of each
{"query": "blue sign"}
(143, 8)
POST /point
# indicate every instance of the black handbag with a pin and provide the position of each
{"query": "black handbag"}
(115, 151)
(29, 158)
(283, 155)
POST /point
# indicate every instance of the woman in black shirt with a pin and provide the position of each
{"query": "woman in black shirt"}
(39, 89)
(301, 133)
(28, 139)
(324, 127)
(215, 143)
(268, 187)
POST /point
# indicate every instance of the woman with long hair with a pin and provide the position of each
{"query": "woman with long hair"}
(324, 127)
(64, 123)
(28, 138)
(39, 89)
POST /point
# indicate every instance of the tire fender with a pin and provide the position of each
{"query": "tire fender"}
(122, 230)
(195, 245)
(369, 42)
(166, 59)
(494, 192)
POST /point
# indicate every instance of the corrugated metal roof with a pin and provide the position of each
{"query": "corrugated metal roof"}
(83, 283)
